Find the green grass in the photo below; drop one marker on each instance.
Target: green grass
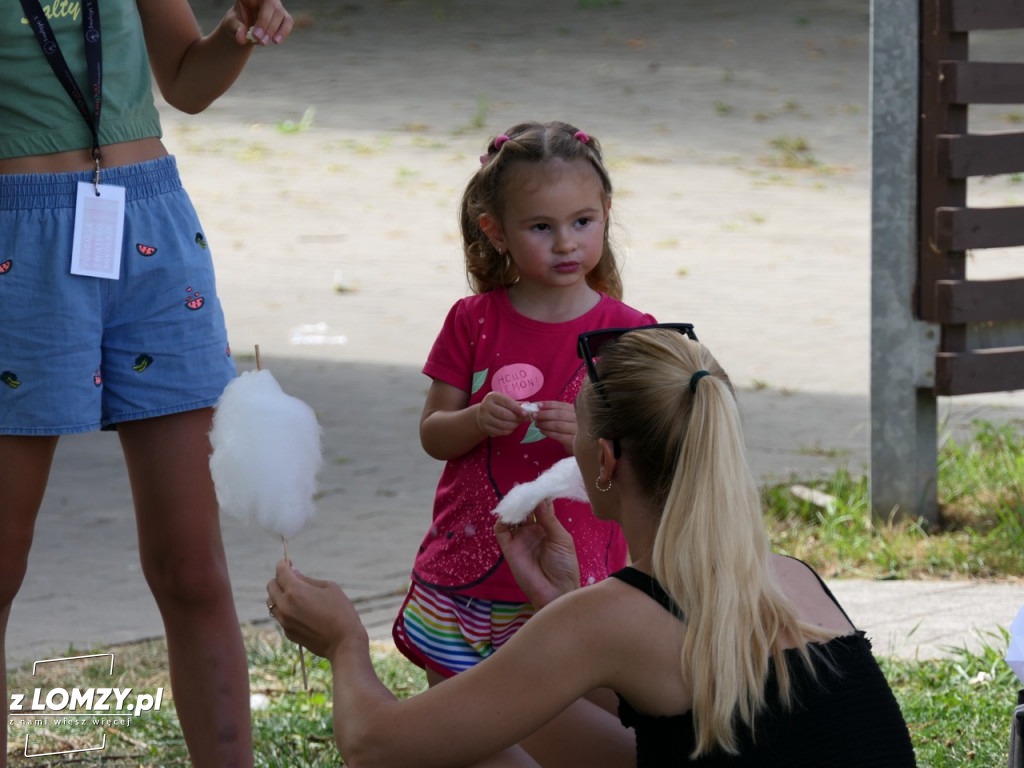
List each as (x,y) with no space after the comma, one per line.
(292,727)
(980,533)
(792,152)
(957,708)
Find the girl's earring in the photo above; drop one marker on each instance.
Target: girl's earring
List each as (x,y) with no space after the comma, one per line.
(605,488)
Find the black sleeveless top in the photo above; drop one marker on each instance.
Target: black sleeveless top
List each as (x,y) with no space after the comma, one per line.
(845,717)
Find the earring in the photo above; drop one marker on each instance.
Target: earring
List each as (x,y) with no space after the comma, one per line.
(606,488)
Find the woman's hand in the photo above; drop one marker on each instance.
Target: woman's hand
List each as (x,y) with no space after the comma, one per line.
(313,613)
(541,554)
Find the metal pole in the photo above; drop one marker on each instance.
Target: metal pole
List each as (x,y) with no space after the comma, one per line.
(904,458)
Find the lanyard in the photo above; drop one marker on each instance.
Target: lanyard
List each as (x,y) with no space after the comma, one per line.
(93,60)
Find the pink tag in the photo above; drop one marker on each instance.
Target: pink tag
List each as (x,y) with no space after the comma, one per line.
(519,380)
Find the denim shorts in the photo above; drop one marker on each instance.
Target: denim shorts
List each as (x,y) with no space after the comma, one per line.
(79,353)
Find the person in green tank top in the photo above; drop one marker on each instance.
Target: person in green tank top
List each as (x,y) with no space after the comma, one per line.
(95,336)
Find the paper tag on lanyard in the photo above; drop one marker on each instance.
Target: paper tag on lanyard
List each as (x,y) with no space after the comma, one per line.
(99,230)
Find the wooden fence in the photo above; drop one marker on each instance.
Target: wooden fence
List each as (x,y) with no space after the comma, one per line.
(934,332)
(981,348)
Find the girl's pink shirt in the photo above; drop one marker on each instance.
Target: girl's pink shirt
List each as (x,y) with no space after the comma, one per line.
(485,345)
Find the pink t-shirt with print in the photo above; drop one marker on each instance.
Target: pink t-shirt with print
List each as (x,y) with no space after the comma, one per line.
(485,345)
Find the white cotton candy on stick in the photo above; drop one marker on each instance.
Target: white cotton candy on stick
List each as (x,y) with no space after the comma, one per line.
(266,453)
(561,481)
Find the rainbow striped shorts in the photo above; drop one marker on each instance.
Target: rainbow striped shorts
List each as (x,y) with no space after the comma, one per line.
(449,633)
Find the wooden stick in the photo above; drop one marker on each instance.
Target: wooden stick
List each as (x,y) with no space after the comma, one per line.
(284,542)
(302,651)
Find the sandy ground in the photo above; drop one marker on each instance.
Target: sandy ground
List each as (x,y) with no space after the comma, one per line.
(703,108)
(737,138)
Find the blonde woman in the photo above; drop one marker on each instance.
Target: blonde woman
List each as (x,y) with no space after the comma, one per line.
(721,652)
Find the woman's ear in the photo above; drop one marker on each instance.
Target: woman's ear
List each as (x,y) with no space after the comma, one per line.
(490,227)
(606,460)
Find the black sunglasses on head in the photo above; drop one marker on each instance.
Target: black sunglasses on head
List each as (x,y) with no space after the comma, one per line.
(590,344)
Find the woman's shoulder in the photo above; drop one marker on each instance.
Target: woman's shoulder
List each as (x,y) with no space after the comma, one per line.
(807,591)
(587,624)
(638,641)
(625,614)
(616,608)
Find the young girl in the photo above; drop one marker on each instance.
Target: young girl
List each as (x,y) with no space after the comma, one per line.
(505,373)
(130,339)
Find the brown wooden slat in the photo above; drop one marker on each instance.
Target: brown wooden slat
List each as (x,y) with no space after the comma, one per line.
(980,154)
(938,116)
(982,82)
(978,301)
(960,229)
(967,15)
(986,370)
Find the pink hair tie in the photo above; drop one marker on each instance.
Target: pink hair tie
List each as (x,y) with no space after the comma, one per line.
(581,136)
(498,141)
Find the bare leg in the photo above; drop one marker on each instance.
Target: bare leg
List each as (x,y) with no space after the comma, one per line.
(584,734)
(24,469)
(184,563)
(587,733)
(513,757)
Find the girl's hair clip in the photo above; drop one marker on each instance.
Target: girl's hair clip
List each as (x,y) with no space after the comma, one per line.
(581,136)
(498,141)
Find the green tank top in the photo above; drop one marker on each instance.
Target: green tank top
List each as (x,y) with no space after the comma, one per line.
(36,114)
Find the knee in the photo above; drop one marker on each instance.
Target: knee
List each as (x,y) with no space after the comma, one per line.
(12,574)
(193,580)
(13,565)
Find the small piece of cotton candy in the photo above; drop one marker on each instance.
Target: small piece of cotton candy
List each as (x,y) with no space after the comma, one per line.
(561,481)
(530,408)
(266,453)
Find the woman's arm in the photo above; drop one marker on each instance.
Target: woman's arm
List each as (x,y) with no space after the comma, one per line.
(556,658)
(450,427)
(192,70)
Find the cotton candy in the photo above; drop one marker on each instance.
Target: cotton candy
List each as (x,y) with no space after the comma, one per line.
(266,453)
(561,481)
